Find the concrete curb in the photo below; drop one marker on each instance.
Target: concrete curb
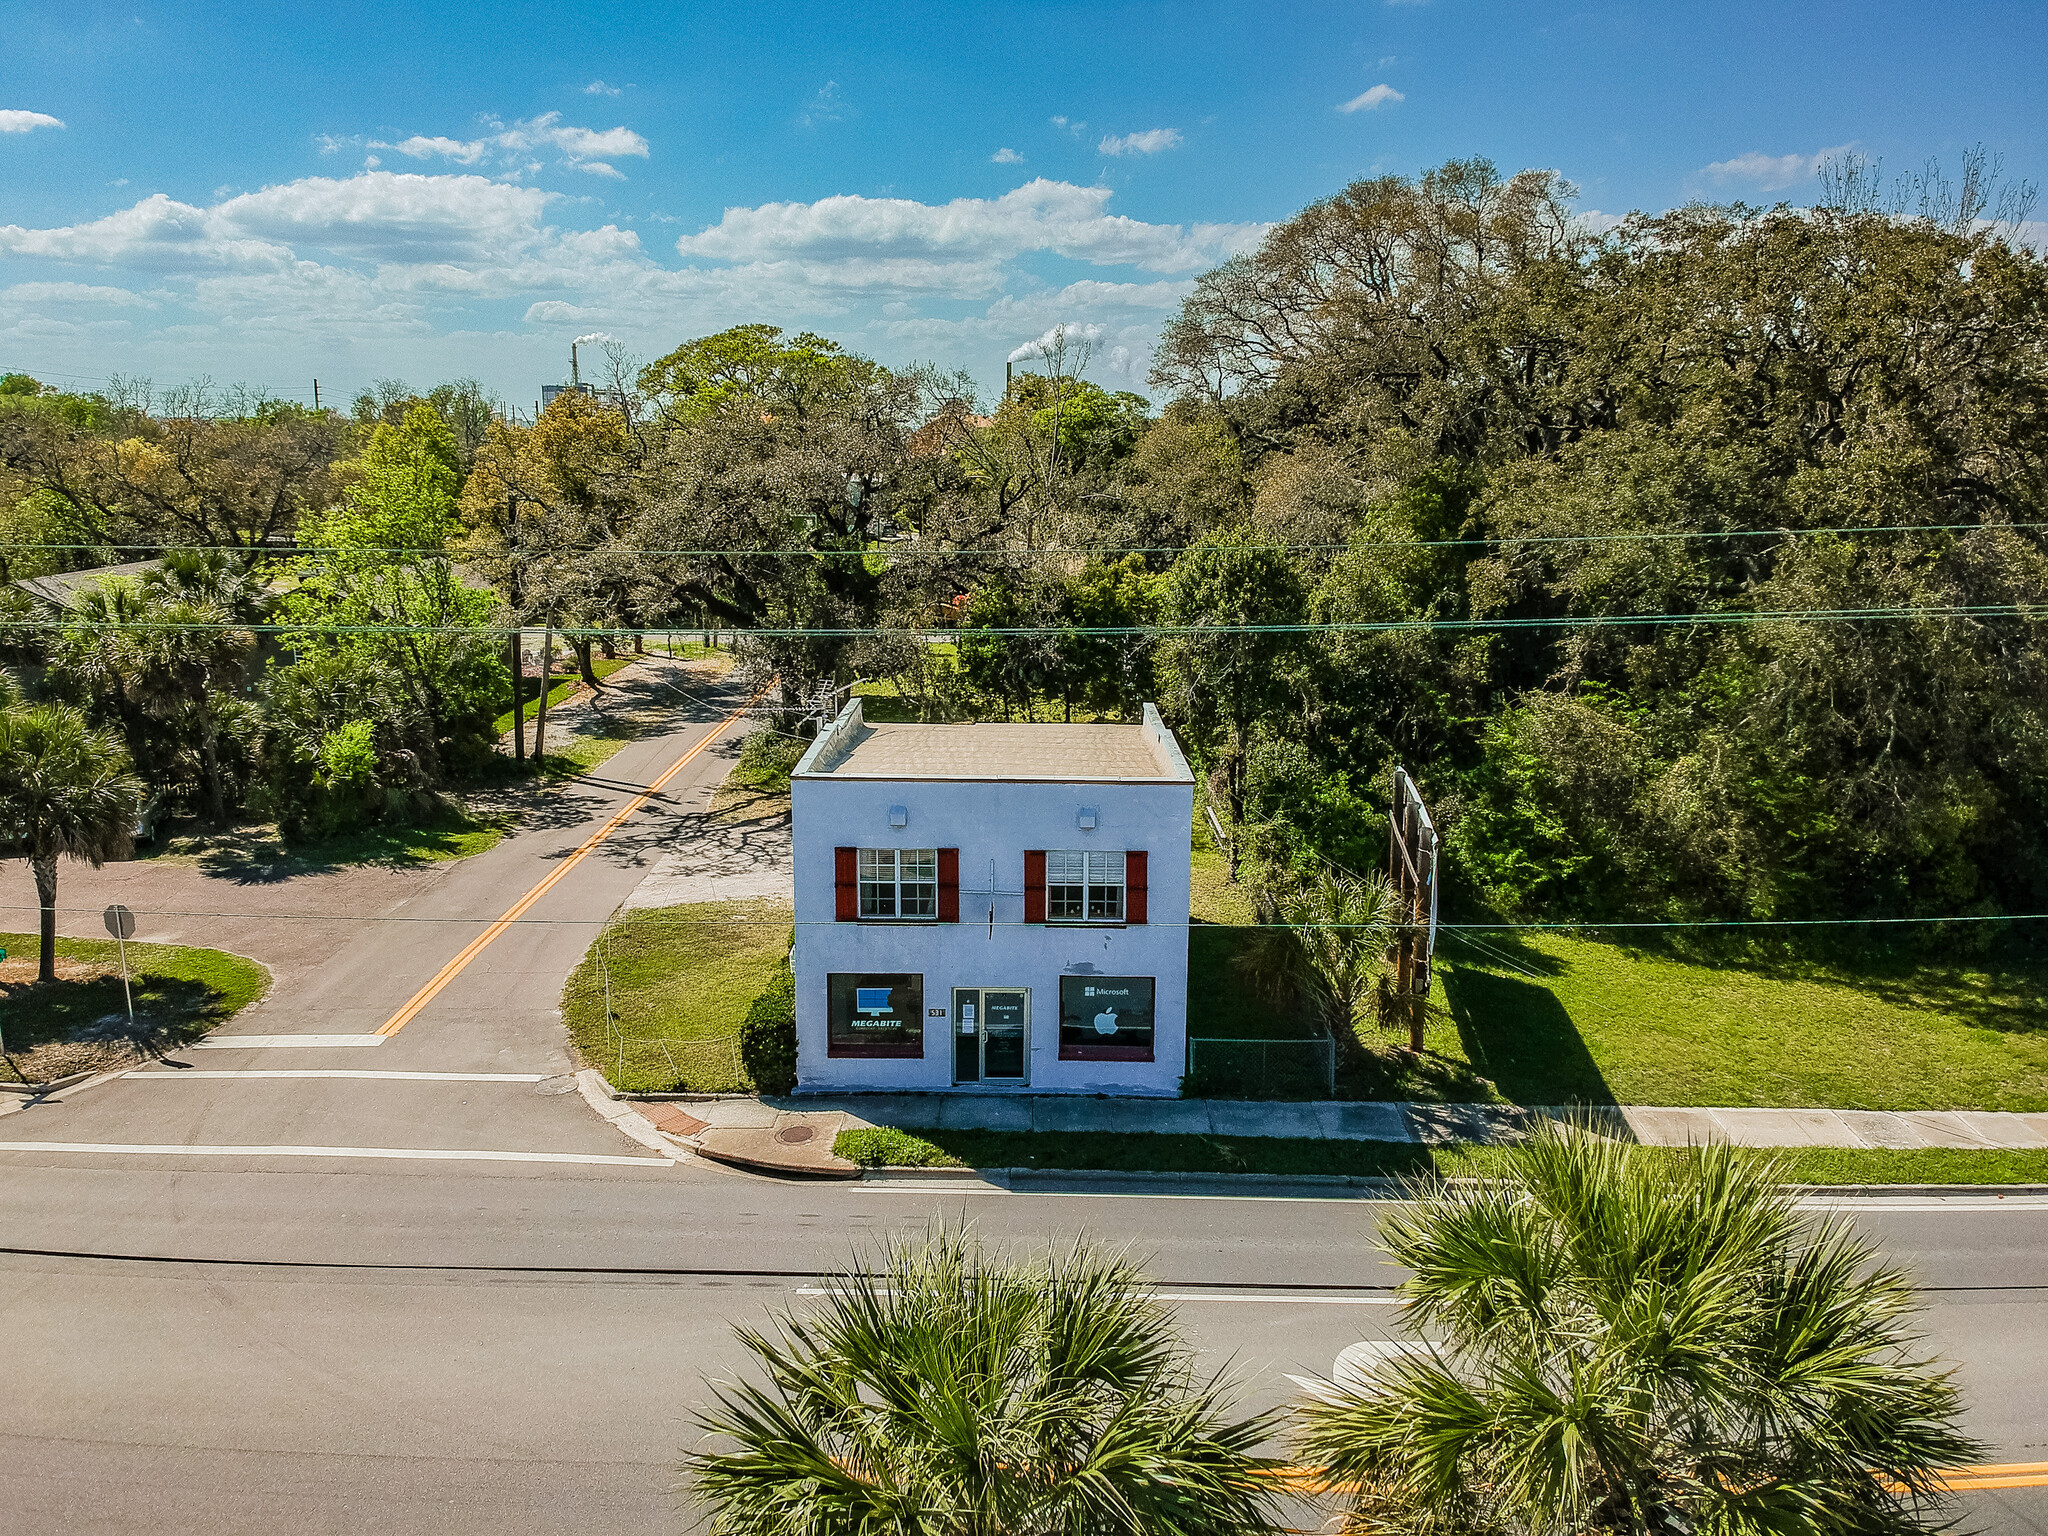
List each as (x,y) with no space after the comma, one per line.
(1872,1191)
(37,1090)
(598,1094)
(1377,1182)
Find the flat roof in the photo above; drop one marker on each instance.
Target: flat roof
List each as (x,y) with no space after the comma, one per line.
(63,589)
(1074,754)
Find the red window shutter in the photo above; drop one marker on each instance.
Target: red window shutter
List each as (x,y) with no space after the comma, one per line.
(949,885)
(1134,886)
(846,884)
(1034,886)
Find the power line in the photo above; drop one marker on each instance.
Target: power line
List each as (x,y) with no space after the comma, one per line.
(1071,551)
(1984,611)
(785,921)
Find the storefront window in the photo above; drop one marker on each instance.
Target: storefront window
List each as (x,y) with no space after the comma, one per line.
(1106,1018)
(867,1015)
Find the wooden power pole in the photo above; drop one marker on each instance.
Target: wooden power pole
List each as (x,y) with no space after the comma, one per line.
(1411,870)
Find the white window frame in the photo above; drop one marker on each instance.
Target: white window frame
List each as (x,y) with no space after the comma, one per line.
(1102,883)
(887,881)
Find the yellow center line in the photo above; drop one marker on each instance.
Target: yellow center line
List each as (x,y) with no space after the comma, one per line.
(477,945)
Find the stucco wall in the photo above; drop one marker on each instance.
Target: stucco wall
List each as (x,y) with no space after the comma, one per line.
(992,822)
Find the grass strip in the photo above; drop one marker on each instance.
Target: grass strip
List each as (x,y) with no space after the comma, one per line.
(183,992)
(239,850)
(1141,1152)
(562,690)
(682,980)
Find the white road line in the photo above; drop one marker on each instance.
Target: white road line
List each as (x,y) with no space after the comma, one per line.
(191,1073)
(281,1042)
(413,1154)
(1289,1301)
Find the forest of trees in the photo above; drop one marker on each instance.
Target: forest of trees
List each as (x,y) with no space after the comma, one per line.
(1695,568)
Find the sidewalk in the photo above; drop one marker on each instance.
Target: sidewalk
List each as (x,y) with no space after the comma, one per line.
(1430,1124)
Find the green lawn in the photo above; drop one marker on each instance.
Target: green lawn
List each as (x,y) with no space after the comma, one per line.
(682,979)
(1556,1020)
(179,993)
(602,667)
(886,1146)
(1228,1010)
(241,850)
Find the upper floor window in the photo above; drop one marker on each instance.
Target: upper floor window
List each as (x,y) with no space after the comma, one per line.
(899,882)
(1084,887)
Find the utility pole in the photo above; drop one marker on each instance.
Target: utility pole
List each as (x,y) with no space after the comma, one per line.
(316,395)
(518,658)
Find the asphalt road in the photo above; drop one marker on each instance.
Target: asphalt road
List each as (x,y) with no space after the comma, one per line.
(256,1342)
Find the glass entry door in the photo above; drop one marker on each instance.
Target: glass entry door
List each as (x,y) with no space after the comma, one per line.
(991,1034)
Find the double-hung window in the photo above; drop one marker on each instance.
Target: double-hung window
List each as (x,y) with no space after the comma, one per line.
(899,882)
(1084,887)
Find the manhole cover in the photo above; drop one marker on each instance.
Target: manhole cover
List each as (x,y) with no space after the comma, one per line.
(796,1135)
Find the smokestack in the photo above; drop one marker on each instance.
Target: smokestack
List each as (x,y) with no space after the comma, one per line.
(575,378)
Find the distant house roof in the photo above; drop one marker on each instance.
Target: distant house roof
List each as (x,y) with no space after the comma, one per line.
(1078,754)
(65,588)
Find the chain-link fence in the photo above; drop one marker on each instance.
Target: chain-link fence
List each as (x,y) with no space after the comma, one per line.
(702,1065)
(1262,1069)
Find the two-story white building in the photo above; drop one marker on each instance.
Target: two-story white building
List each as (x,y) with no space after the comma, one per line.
(992,907)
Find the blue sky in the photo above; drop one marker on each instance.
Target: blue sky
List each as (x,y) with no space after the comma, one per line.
(270,194)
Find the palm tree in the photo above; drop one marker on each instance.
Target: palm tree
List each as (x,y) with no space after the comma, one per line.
(1625,1340)
(188,658)
(961,1394)
(65,790)
(1326,941)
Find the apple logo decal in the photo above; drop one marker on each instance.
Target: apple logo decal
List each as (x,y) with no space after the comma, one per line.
(1105,1022)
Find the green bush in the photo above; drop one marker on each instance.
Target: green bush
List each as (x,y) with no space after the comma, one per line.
(883,1146)
(768,759)
(768,1037)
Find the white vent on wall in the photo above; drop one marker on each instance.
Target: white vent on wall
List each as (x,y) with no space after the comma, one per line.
(899,816)
(1087,819)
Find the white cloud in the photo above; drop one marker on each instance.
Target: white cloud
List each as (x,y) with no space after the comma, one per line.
(1372,100)
(383,215)
(828,106)
(511,148)
(1007,157)
(1041,215)
(16,120)
(1150,142)
(1769,173)
(41,294)
(1594,222)
(599,88)
(430,272)
(421,147)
